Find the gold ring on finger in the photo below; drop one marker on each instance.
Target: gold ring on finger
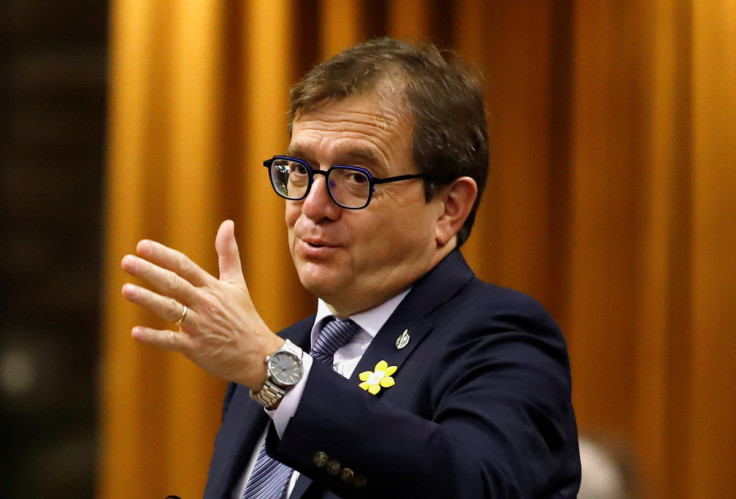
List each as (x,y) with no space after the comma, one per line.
(183,315)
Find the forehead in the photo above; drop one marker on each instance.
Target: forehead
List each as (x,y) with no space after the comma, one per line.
(367,128)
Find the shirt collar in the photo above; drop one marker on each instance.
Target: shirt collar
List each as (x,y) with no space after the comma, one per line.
(370,321)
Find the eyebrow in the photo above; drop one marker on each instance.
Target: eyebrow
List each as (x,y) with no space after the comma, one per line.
(295,151)
(362,155)
(351,154)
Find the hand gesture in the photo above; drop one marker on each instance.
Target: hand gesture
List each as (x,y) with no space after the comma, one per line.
(219,328)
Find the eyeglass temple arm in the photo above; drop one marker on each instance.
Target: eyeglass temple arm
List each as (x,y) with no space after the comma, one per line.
(396,179)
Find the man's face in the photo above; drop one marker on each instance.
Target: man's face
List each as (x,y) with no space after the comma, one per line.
(357,259)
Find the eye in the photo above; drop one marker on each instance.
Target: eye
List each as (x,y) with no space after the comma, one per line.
(297,168)
(356,177)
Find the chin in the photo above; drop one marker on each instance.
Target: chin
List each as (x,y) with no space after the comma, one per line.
(317,280)
(321,290)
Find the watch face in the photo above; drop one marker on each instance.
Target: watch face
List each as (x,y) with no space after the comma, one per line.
(285,368)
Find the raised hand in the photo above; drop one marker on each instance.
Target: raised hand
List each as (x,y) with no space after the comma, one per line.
(220,329)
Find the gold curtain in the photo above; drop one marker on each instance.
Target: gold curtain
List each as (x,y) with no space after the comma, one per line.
(611,200)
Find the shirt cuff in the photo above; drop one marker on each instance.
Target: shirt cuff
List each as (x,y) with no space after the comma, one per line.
(286,409)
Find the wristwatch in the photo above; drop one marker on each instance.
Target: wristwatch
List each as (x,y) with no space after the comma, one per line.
(284,371)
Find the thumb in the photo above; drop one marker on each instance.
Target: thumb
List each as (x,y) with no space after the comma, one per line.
(228,254)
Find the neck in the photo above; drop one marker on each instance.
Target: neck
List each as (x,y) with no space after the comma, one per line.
(342,306)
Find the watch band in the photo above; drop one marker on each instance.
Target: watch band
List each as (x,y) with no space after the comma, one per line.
(271,393)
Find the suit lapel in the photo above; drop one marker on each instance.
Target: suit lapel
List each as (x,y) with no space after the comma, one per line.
(410,317)
(236,439)
(384,345)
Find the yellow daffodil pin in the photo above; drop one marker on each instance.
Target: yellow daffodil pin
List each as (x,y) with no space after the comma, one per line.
(379,378)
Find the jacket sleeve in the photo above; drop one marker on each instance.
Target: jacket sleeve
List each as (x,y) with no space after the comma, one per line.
(228,397)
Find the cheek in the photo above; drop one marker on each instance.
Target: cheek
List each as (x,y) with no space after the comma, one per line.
(389,237)
(291,214)
(410,231)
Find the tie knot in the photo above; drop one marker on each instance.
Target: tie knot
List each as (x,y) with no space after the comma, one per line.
(334,334)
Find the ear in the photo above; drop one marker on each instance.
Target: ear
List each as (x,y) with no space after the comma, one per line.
(457,201)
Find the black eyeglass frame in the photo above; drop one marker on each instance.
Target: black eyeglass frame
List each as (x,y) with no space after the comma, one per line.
(372,181)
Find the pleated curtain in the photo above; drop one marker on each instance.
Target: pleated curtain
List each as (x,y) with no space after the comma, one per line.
(612,200)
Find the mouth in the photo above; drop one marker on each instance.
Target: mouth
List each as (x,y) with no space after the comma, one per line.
(315,242)
(318,244)
(313,247)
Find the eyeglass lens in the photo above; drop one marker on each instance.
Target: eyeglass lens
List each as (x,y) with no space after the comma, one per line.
(348,187)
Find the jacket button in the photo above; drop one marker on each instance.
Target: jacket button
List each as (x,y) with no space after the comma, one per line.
(360,482)
(347,475)
(333,467)
(320,459)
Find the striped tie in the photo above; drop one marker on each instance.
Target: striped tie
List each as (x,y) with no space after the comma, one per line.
(270,478)
(334,334)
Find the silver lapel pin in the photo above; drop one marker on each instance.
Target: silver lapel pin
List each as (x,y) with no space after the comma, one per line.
(403,339)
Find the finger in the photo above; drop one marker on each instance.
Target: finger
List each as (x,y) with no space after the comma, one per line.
(173,260)
(165,307)
(165,281)
(166,339)
(228,254)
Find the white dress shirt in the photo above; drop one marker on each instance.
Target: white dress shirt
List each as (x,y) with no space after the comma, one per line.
(344,362)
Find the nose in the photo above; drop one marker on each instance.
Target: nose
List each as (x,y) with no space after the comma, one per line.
(318,204)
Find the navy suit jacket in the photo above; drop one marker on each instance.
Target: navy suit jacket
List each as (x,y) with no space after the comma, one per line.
(481,406)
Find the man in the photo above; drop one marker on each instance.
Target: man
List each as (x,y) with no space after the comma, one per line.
(441,385)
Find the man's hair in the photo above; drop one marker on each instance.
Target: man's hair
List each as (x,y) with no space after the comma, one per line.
(442,94)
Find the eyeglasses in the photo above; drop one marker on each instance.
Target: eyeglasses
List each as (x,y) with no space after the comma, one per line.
(349,186)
